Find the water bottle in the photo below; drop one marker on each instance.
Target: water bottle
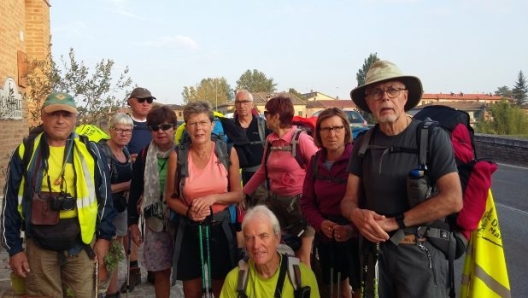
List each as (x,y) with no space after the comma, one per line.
(419,187)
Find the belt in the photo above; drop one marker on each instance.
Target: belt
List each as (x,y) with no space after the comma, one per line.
(411,239)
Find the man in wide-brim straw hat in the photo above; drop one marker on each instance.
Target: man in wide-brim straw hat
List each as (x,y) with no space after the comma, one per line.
(408,265)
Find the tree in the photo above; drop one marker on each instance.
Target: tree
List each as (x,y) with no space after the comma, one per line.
(504,92)
(520,89)
(295,92)
(361,76)
(214,90)
(506,119)
(362,72)
(96,92)
(256,81)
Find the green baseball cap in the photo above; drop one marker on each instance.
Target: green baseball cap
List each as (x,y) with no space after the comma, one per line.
(59,101)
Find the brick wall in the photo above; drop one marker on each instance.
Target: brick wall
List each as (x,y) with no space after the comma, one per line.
(25,27)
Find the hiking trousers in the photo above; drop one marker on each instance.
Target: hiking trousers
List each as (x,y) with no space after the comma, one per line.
(49,279)
(408,270)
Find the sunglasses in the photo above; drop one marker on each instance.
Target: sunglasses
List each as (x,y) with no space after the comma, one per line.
(163,127)
(142,100)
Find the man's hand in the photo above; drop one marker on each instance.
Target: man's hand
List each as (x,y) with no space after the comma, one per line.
(101,248)
(368,224)
(19,264)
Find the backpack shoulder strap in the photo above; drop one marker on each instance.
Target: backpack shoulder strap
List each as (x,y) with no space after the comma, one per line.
(315,160)
(296,149)
(294,272)
(223,152)
(261,130)
(243,274)
(365,142)
(182,171)
(28,151)
(422,140)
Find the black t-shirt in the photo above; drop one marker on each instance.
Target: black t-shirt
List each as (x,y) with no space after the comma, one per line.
(384,175)
(257,145)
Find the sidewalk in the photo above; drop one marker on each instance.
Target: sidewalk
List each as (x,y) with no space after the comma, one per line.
(145,290)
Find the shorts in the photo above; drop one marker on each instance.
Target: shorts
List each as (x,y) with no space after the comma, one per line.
(189,262)
(120,223)
(288,212)
(343,257)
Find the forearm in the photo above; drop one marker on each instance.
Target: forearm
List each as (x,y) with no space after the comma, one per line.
(228,198)
(119,187)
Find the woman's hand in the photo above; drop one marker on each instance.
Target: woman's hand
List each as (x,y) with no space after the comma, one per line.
(198,216)
(327,228)
(203,205)
(343,233)
(135,234)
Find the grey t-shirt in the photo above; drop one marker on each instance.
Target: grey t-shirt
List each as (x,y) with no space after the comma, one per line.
(384,174)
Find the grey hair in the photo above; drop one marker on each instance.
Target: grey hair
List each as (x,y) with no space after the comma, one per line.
(121,118)
(198,107)
(260,211)
(244,91)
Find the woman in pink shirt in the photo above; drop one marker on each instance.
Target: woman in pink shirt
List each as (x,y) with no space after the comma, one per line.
(284,173)
(210,186)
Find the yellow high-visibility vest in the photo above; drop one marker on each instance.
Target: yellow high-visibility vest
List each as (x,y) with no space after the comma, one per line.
(485,273)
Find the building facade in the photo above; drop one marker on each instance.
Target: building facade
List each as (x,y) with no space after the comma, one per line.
(25,36)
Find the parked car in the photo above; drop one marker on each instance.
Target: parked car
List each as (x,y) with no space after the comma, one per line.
(358,124)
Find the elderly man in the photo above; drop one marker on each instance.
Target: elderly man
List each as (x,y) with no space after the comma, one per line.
(376,200)
(57,191)
(266,269)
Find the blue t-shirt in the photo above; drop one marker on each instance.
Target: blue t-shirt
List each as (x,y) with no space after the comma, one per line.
(141,137)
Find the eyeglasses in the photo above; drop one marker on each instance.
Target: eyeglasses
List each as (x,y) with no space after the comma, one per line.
(337,129)
(199,123)
(142,100)
(242,102)
(163,127)
(377,93)
(123,131)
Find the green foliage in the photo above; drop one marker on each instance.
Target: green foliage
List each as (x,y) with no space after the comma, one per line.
(256,81)
(214,90)
(520,89)
(114,256)
(504,91)
(506,119)
(96,92)
(296,93)
(362,72)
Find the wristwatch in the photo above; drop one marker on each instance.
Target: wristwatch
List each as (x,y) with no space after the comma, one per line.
(400,220)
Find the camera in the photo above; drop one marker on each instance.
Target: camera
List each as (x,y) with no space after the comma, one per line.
(63,202)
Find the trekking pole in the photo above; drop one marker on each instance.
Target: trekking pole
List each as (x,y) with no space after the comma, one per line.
(202,262)
(332,264)
(209,284)
(96,274)
(376,272)
(128,264)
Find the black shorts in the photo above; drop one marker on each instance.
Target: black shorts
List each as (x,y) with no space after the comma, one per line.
(189,262)
(343,257)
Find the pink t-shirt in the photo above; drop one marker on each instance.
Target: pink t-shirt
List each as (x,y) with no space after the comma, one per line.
(212,179)
(285,175)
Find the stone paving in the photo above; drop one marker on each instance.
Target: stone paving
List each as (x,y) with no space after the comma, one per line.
(145,290)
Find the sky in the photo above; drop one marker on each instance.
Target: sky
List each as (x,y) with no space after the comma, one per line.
(469,46)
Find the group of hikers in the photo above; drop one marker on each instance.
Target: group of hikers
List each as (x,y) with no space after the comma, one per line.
(298,203)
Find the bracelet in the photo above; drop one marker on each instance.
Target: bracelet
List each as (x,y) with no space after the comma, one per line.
(400,220)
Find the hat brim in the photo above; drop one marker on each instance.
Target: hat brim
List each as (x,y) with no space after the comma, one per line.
(58,107)
(412,84)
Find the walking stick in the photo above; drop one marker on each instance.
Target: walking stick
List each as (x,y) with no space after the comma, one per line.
(332,264)
(376,272)
(128,264)
(209,284)
(202,262)
(96,274)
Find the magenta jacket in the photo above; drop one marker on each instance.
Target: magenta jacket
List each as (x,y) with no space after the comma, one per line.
(322,197)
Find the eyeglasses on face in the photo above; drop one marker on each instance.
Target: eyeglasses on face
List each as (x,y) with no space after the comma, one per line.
(328,129)
(163,127)
(142,100)
(377,93)
(198,124)
(122,131)
(242,102)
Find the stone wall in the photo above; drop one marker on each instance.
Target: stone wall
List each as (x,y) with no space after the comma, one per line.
(502,149)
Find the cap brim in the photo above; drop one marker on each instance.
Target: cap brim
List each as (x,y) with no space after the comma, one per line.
(412,84)
(57,107)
